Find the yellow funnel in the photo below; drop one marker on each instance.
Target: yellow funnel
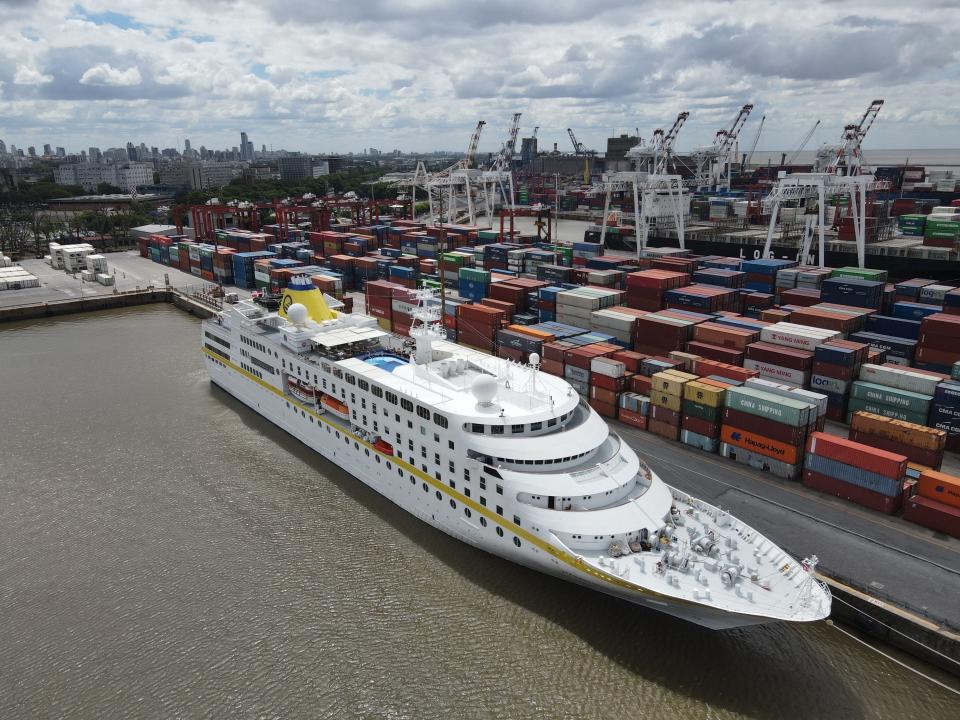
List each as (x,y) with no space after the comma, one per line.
(301,290)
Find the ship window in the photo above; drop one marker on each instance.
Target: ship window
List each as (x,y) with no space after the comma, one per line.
(516,429)
(499,489)
(499,531)
(483,501)
(436,438)
(425,488)
(413,480)
(423,452)
(499,510)
(409,424)
(284,364)
(338,373)
(516,541)
(439,496)
(351,380)
(466,491)
(551,422)
(538,462)
(483,480)
(311,418)
(324,383)
(423,412)
(453,503)
(536,426)
(436,458)
(453,484)
(483,521)
(516,519)
(377,391)
(363,403)
(466,511)
(378,458)
(391,398)
(406,405)
(346,440)
(453,468)
(496,429)
(364,419)
(363,385)
(328,428)
(367,451)
(353,398)
(375,426)
(476,427)
(440,420)
(390,467)
(450,444)
(410,445)
(325,366)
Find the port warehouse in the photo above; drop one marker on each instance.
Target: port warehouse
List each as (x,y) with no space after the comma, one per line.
(745,358)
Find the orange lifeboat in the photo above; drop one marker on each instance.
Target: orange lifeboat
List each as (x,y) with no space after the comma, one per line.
(383,446)
(335,406)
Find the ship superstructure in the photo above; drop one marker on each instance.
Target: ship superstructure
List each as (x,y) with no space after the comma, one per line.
(501,456)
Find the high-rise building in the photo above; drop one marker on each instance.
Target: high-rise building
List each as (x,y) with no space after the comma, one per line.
(32,151)
(186,147)
(131,151)
(245,147)
(47,150)
(295,167)
(61,152)
(95,154)
(263,148)
(3,148)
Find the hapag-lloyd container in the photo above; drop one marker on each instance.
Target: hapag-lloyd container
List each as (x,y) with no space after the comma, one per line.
(801,337)
(899,377)
(780,409)
(759,462)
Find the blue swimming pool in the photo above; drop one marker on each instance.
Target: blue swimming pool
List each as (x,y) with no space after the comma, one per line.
(389,363)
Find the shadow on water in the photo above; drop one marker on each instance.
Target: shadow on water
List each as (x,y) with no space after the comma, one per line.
(772,671)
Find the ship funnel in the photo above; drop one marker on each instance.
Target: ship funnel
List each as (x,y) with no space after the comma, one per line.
(302,291)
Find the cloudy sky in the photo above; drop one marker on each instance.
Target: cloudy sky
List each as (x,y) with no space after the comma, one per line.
(417,74)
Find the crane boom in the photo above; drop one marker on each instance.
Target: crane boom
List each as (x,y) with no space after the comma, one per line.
(803,143)
(748,156)
(505,158)
(578,148)
(725,138)
(853,136)
(666,142)
(474,142)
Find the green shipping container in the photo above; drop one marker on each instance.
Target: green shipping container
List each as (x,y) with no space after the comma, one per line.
(701,411)
(863,273)
(894,397)
(885,410)
(773,407)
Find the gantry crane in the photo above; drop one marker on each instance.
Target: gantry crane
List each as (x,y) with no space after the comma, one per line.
(748,156)
(784,160)
(654,157)
(713,161)
(846,158)
(578,148)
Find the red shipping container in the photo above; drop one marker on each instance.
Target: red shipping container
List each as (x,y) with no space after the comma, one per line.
(858,455)
(838,372)
(716,352)
(556,351)
(615,384)
(780,432)
(607,410)
(779,355)
(631,418)
(641,385)
(712,367)
(854,493)
(921,456)
(933,515)
(630,359)
(552,367)
(700,426)
(665,415)
(729,337)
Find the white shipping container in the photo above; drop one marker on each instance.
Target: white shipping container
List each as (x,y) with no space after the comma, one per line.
(105,279)
(819,400)
(797,336)
(829,384)
(608,367)
(900,379)
(935,292)
(777,372)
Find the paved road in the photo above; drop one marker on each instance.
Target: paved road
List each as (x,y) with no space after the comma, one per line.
(910,565)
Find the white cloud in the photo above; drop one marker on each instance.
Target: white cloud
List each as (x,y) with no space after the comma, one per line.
(106,74)
(26,75)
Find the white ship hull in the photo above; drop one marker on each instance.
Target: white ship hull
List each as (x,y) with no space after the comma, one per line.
(442,507)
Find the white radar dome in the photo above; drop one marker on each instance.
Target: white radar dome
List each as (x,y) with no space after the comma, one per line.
(534,359)
(484,389)
(297,314)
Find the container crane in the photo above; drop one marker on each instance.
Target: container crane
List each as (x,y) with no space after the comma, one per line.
(748,156)
(846,158)
(784,160)
(504,160)
(578,148)
(713,161)
(654,157)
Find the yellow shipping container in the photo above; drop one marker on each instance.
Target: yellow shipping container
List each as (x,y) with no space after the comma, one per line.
(671,381)
(708,395)
(670,402)
(900,431)
(684,357)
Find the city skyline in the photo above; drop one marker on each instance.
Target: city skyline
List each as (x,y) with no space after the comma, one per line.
(88,74)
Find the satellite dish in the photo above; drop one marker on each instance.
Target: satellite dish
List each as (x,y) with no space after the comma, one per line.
(484,389)
(297,314)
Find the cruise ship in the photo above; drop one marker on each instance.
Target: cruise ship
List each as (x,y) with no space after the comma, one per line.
(501,456)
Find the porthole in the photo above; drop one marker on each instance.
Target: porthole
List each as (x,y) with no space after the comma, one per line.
(390,467)
(338,435)
(366,452)
(466,511)
(516,541)
(425,487)
(453,503)
(378,457)
(499,531)
(439,496)
(356,446)
(483,521)
(346,440)
(413,480)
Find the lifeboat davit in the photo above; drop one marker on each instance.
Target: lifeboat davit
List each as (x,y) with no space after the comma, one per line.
(301,392)
(335,406)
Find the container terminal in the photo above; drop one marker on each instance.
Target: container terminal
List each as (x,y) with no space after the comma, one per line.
(840,385)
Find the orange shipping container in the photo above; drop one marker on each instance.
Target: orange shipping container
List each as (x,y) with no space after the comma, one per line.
(940,487)
(757,443)
(901,431)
